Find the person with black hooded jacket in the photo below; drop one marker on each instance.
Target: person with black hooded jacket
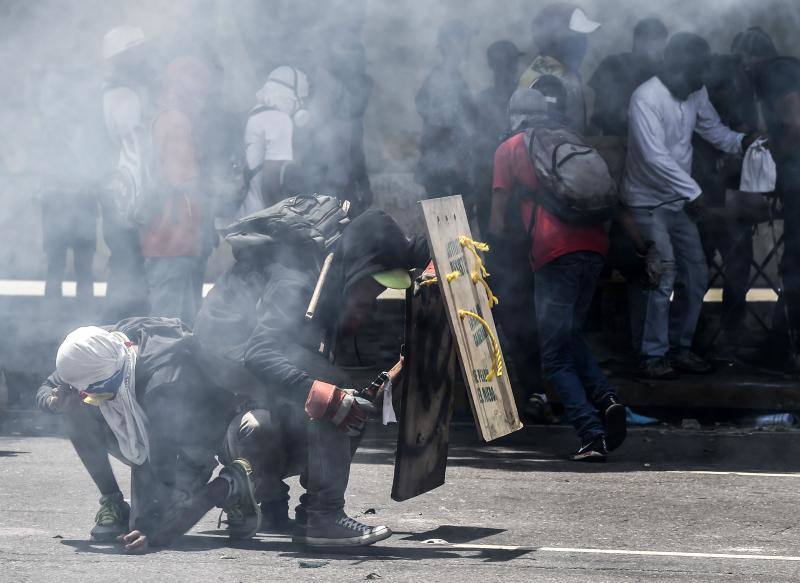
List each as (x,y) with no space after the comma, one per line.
(304,422)
(148,378)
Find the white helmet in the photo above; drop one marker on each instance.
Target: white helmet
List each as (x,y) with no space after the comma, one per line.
(120,39)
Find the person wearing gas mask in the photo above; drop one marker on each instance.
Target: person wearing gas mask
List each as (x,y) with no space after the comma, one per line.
(269,138)
(306,421)
(666,202)
(143,391)
(560,32)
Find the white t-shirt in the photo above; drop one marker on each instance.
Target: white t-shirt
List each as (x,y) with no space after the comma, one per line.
(267,138)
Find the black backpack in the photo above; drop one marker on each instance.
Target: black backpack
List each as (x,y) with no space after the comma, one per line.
(575,184)
(313,222)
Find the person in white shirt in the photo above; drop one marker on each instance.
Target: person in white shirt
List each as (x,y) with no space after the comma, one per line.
(664,113)
(268,137)
(128,55)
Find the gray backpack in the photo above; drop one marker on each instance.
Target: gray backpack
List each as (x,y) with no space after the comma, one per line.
(575,184)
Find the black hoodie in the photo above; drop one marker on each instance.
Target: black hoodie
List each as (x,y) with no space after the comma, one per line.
(256,314)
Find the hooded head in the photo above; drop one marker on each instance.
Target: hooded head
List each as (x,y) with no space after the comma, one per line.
(92,360)
(686,61)
(560,31)
(649,39)
(524,106)
(372,255)
(286,90)
(503,58)
(753,47)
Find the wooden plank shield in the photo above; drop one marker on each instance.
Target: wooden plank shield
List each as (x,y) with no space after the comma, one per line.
(491,397)
(430,379)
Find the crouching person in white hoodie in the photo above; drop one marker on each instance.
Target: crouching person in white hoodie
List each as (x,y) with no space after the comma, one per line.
(141,391)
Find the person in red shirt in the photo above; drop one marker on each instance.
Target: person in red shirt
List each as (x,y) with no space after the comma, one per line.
(567,261)
(172,239)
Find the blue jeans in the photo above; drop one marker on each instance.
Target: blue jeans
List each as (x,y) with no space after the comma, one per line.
(659,326)
(564,291)
(176,286)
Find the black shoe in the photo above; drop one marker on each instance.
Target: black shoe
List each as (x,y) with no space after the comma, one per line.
(657,369)
(594,451)
(688,362)
(275,517)
(539,411)
(615,421)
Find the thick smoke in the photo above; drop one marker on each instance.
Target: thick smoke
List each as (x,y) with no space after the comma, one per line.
(49,52)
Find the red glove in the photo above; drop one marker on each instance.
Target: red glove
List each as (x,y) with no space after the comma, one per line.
(344,409)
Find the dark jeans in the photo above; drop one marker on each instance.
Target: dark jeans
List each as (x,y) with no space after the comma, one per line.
(280,441)
(175,286)
(564,291)
(734,241)
(159,493)
(512,283)
(126,294)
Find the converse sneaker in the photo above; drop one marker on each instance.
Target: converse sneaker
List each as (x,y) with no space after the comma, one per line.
(340,531)
(241,508)
(112,518)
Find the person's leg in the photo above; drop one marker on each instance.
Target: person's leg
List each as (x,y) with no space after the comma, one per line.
(56,255)
(126,292)
(737,253)
(82,256)
(655,226)
(259,437)
(93,441)
(692,272)
(171,284)
(557,292)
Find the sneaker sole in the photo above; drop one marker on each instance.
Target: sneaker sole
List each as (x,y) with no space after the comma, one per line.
(616,423)
(107,536)
(251,495)
(381,533)
(594,458)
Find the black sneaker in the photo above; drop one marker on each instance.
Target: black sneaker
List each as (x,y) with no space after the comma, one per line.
(615,421)
(594,451)
(539,411)
(690,363)
(657,369)
(340,531)
(241,508)
(275,517)
(112,518)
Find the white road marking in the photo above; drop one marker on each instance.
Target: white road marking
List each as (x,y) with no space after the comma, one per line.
(746,474)
(668,554)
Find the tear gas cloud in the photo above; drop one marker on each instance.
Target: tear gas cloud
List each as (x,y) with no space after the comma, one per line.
(50,56)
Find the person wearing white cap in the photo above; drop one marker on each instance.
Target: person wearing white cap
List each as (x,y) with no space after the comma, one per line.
(561,32)
(141,391)
(126,52)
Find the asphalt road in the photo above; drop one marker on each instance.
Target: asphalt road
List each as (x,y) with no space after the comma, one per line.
(672,505)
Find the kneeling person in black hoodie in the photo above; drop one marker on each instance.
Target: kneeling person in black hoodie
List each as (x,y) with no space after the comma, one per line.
(306,423)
